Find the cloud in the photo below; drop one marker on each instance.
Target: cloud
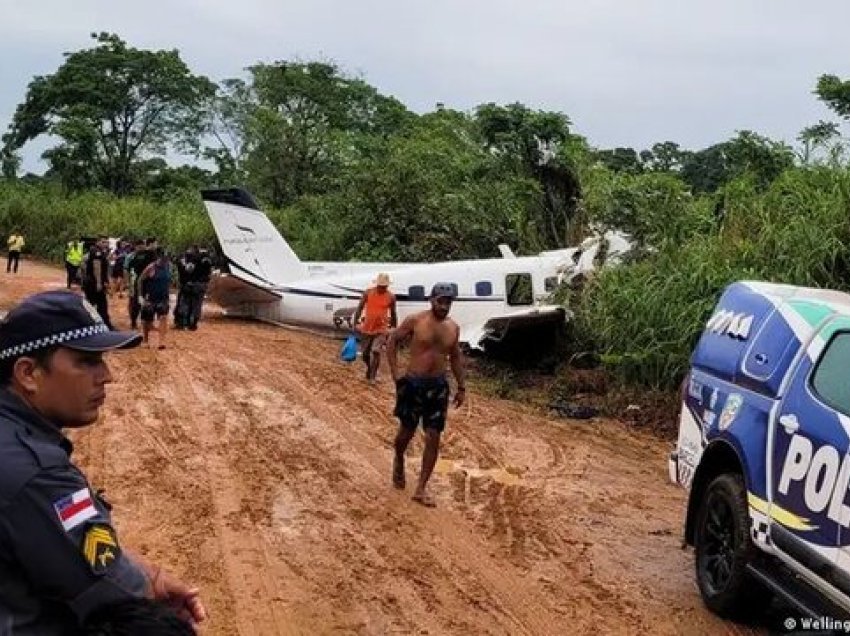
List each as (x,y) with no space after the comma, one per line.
(627,73)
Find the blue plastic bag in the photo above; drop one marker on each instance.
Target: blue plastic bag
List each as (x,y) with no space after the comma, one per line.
(349,349)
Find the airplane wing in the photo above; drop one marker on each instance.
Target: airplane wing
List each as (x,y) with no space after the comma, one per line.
(495,329)
(231,292)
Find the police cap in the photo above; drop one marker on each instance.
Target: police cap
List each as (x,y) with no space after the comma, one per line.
(58,318)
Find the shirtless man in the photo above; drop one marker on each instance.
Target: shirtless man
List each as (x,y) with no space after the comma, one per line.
(423,392)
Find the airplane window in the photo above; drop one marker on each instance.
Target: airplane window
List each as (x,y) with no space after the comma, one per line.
(416,292)
(484,288)
(550,283)
(519,289)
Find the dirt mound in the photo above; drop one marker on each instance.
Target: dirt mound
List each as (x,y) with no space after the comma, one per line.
(248,459)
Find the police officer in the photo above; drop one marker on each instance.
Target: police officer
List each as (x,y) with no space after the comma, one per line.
(96,280)
(73,261)
(200,282)
(60,557)
(185,276)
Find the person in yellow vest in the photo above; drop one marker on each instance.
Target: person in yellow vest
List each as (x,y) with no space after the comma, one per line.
(379,317)
(15,245)
(73,260)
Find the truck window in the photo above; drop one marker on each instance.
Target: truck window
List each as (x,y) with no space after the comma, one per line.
(416,292)
(830,377)
(520,291)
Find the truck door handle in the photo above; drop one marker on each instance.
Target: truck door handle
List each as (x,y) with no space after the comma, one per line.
(790,423)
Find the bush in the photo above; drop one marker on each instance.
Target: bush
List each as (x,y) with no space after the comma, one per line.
(645,318)
(48,219)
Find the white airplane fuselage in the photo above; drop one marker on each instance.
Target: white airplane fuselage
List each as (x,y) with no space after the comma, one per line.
(267,281)
(329,301)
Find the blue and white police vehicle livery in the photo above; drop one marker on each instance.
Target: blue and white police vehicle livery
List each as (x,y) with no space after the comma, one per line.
(764,449)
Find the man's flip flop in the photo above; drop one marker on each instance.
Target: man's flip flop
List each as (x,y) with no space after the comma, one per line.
(425,500)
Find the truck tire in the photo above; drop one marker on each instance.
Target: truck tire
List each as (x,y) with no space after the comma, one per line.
(723,548)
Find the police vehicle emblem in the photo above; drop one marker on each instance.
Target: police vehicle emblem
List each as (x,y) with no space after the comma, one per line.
(730,411)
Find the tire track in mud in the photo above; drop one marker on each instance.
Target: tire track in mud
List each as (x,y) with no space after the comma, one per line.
(369,452)
(367,432)
(246,563)
(509,521)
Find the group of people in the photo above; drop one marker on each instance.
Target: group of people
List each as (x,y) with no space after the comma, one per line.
(423,392)
(144,269)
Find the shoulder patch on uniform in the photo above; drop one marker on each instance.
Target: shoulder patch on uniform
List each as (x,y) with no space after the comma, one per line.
(75,509)
(100,547)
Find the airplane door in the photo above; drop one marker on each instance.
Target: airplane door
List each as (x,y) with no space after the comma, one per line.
(809,514)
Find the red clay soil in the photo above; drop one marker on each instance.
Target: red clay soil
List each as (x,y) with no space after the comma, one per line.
(252,462)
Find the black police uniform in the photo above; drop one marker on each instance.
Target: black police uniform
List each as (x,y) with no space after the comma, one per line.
(97,259)
(199,281)
(185,272)
(60,558)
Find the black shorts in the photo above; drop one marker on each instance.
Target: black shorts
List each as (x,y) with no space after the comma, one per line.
(154,309)
(425,399)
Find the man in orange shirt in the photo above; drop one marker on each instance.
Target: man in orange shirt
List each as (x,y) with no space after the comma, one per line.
(379,317)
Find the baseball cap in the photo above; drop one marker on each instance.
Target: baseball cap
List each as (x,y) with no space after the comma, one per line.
(58,318)
(443,290)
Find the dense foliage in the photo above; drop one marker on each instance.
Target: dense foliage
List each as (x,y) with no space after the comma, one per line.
(348,172)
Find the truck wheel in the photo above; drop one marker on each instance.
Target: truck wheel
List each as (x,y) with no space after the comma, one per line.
(723,549)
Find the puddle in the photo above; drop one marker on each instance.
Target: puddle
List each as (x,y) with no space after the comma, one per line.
(499,475)
(287,515)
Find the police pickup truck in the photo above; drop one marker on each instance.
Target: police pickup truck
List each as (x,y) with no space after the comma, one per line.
(764,449)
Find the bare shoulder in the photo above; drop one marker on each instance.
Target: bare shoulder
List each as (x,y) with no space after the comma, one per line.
(414,319)
(407,326)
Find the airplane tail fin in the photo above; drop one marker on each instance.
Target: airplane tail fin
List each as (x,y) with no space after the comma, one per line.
(254,249)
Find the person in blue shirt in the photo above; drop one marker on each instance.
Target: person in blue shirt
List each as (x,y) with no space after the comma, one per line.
(155,285)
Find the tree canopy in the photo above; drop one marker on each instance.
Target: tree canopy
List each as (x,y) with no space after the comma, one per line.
(111,106)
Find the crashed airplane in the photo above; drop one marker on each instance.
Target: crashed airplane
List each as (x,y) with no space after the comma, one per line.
(265,279)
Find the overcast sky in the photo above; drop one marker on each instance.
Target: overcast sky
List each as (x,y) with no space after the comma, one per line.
(627,72)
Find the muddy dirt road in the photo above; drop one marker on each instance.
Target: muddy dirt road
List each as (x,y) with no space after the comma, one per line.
(253,463)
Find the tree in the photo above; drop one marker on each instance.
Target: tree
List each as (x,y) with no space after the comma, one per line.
(835,93)
(708,169)
(815,137)
(666,156)
(112,106)
(436,194)
(310,121)
(227,121)
(624,160)
(529,143)
(9,164)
